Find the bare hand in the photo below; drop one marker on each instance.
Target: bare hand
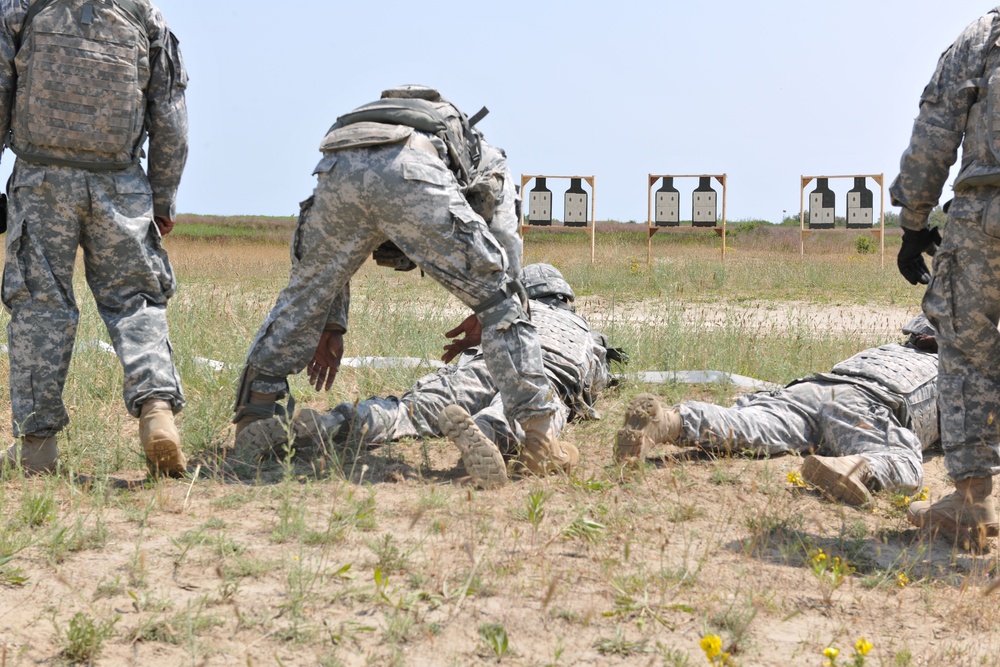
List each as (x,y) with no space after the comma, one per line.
(326,362)
(472,330)
(164,224)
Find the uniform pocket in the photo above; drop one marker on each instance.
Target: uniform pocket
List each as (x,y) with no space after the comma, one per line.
(938,300)
(428,173)
(991,218)
(304,208)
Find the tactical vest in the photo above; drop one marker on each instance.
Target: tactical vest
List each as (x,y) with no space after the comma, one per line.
(82,69)
(981,146)
(574,362)
(392,119)
(904,373)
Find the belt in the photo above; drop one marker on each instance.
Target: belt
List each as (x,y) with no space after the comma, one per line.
(422,142)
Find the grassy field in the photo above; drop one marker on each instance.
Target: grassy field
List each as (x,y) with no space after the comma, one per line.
(386,560)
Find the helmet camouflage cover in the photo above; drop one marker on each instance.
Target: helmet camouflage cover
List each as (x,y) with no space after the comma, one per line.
(544,280)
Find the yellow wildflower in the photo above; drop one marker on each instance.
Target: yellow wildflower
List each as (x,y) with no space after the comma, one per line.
(795,479)
(831,652)
(711,645)
(863,646)
(902,579)
(819,557)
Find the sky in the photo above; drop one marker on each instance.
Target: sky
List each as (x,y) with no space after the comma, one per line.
(763,91)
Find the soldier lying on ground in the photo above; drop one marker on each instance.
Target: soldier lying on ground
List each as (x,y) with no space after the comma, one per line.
(862,426)
(461,401)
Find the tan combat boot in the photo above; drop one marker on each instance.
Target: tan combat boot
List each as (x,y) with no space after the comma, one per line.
(37,454)
(481,457)
(843,478)
(160,441)
(646,424)
(542,453)
(968,515)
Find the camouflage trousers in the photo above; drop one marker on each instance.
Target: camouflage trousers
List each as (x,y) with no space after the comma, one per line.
(963,303)
(415,414)
(52,211)
(825,418)
(364,197)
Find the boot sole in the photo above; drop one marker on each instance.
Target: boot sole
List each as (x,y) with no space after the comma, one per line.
(849,490)
(260,440)
(482,459)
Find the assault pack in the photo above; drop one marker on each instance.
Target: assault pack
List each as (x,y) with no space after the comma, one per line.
(82,67)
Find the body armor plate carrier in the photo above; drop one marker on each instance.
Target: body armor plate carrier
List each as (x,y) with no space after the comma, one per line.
(895,372)
(81,74)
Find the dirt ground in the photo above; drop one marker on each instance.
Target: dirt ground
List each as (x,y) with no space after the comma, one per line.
(396,563)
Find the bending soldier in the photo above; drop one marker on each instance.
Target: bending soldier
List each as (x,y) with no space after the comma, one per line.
(81,87)
(410,169)
(862,426)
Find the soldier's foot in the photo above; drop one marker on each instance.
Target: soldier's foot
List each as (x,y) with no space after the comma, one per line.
(843,478)
(647,424)
(542,453)
(480,456)
(37,455)
(161,443)
(967,516)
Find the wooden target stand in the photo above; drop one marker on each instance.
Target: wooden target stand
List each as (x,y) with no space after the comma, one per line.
(652,228)
(591,224)
(878,233)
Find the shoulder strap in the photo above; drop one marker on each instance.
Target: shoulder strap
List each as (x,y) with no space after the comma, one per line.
(39,6)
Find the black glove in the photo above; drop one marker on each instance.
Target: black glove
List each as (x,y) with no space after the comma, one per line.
(910,259)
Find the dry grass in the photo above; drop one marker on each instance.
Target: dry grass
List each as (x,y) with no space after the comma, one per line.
(390,562)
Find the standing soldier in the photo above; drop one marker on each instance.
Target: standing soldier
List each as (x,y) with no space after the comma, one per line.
(82,85)
(960,104)
(409,169)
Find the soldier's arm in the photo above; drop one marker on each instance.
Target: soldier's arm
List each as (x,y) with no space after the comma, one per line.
(166,116)
(11,18)
(940,126)
(336,320)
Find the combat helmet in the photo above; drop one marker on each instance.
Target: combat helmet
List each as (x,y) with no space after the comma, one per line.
(544,282)
(919,326)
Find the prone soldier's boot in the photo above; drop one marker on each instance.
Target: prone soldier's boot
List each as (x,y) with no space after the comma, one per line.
(968,514)
(161,443)
(647,424)
(541,452)
(844,478)
(37,455)
(259,406)
(265,438)
(481,457)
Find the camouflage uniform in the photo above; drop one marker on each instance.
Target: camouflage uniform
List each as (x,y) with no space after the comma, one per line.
(468,384)
(405,192)
(55,208)
(840,413)
(963,299)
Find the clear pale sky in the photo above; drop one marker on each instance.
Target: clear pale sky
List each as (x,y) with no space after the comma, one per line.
(764,91)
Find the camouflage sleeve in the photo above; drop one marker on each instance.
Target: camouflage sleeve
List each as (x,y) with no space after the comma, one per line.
(940,126)
(505,223)
(337,318)
(166,116)
(11,18)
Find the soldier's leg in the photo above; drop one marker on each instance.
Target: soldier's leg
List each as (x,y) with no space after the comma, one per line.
(334,235)
(437,229)
(130,275)
(765,423)
(854,423)
(963,303)
(42,238)
(507,435)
